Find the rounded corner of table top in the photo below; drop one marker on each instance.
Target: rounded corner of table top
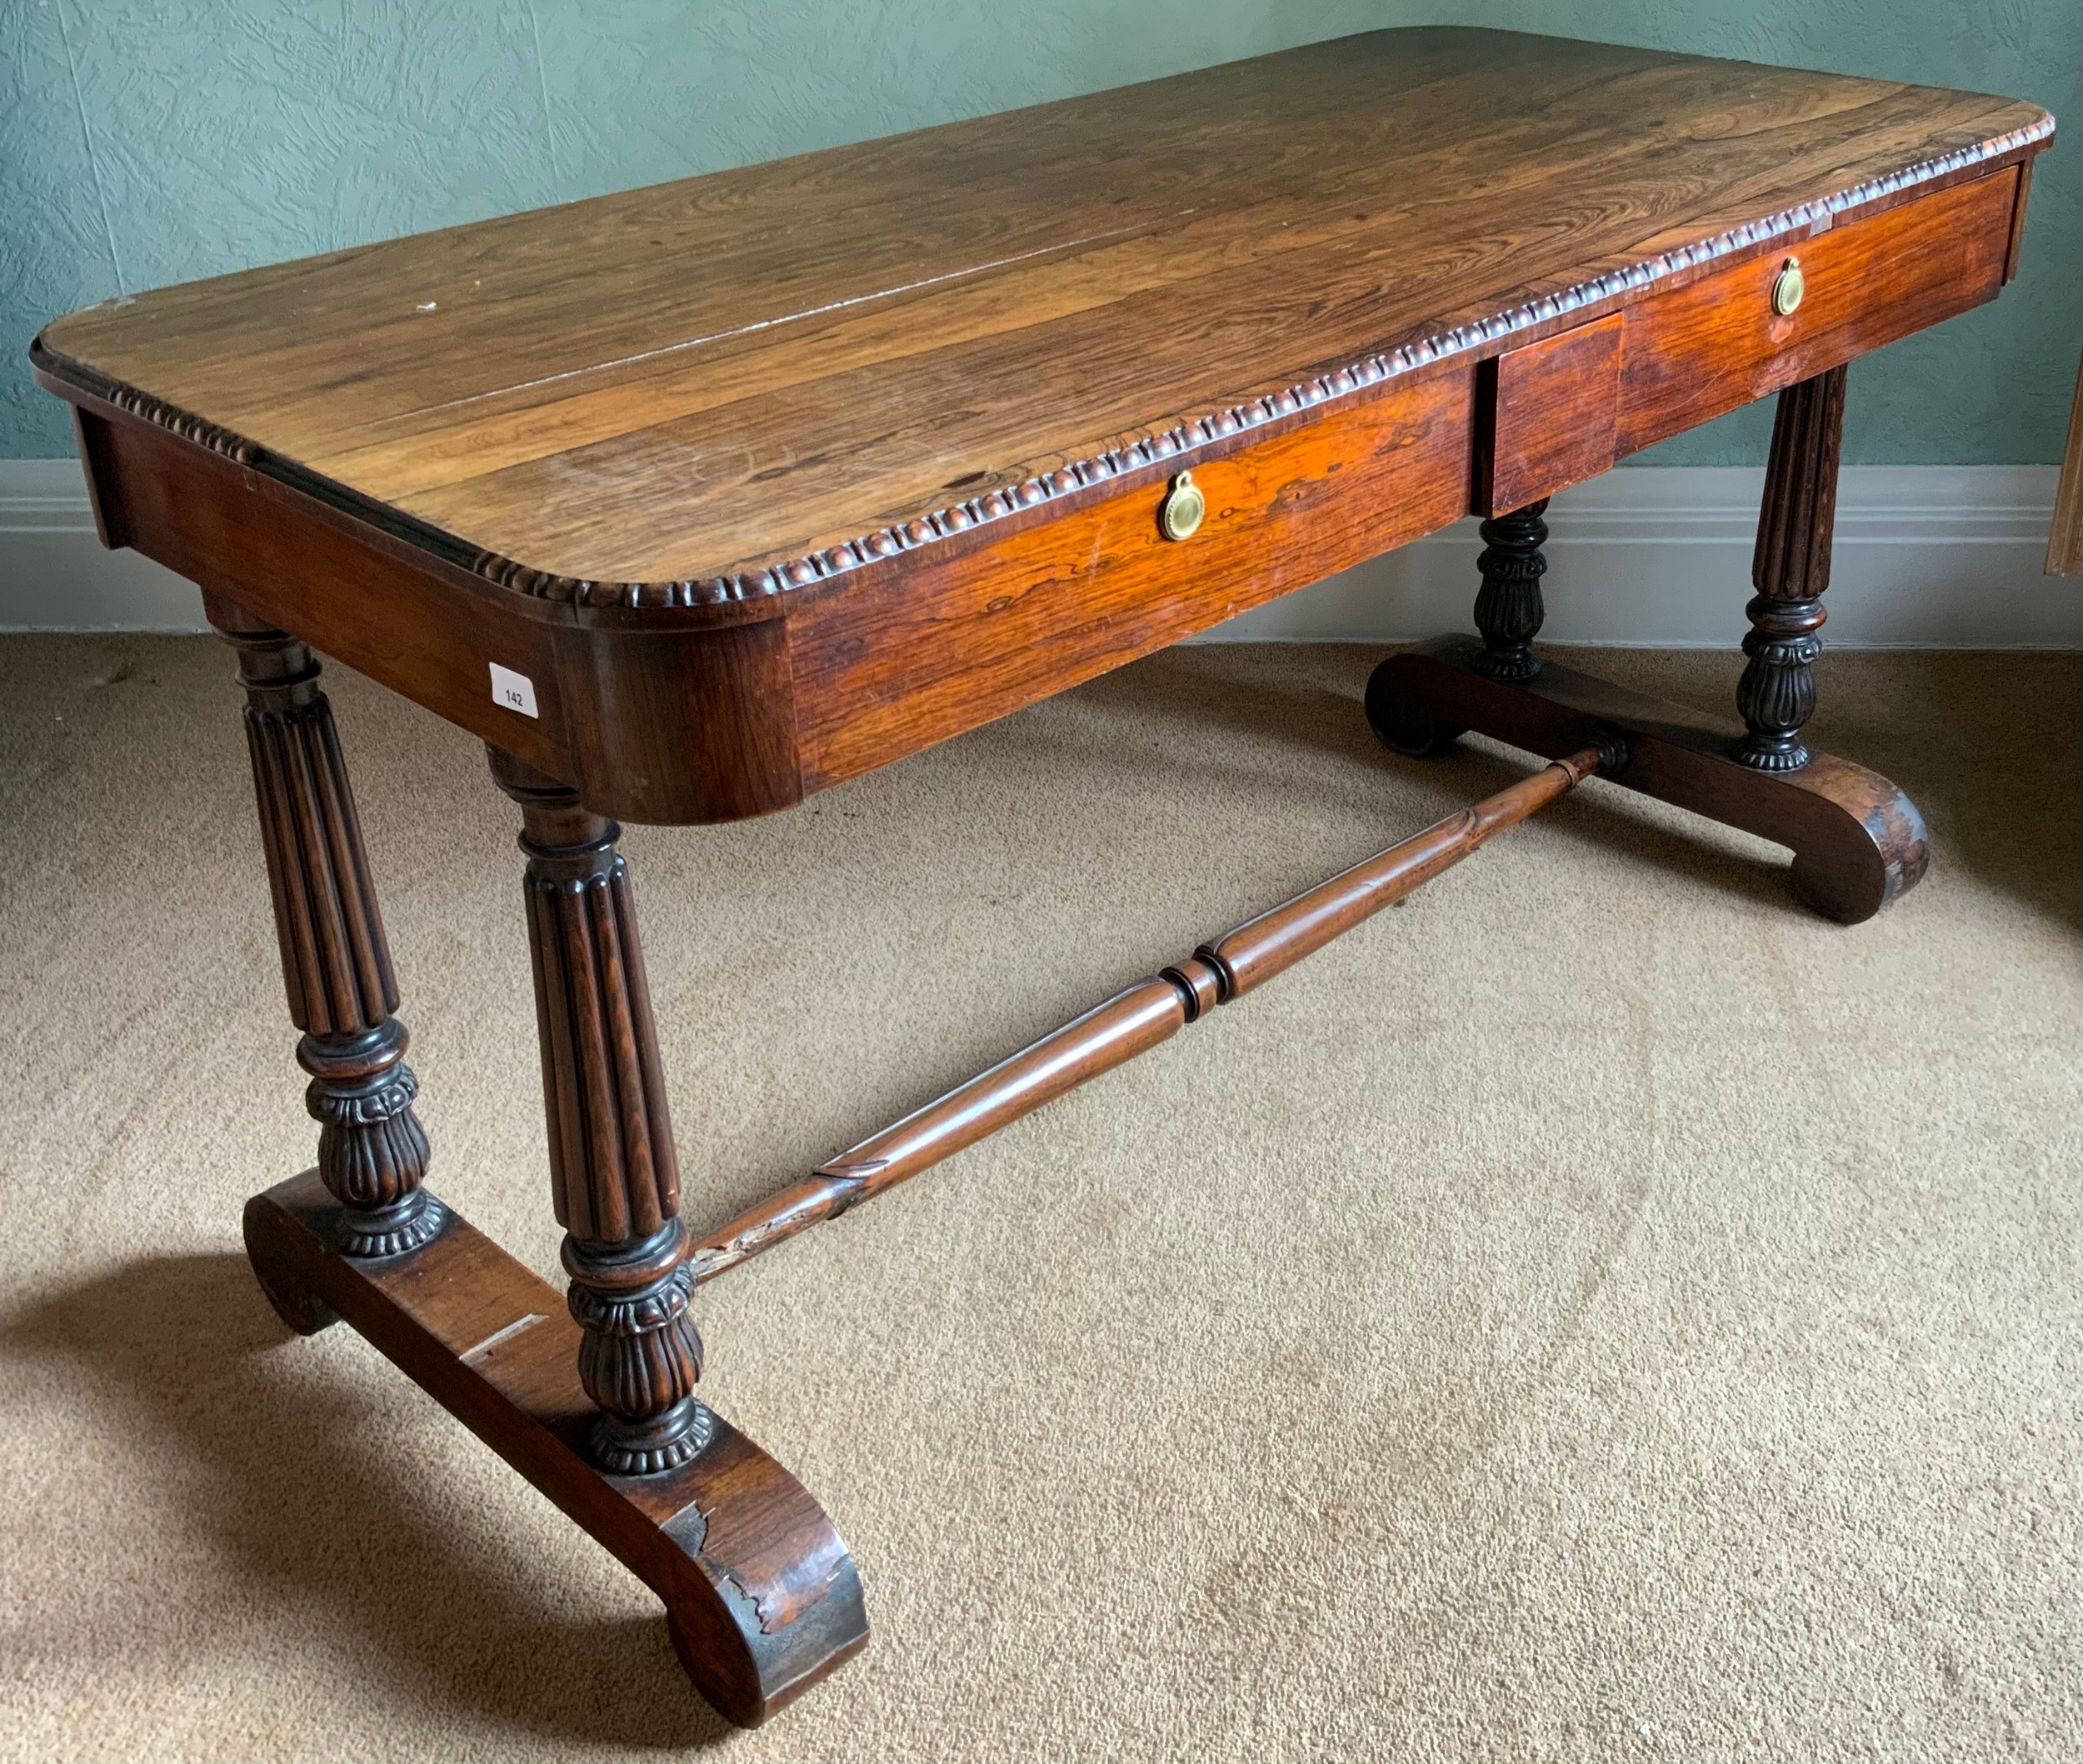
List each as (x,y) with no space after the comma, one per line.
(54,369)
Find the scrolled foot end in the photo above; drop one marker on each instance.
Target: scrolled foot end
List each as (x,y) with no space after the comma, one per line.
(1401,721)
(1869,860)
(267,1254)
(750,1665)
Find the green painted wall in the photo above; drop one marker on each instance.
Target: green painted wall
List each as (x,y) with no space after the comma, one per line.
(144,142)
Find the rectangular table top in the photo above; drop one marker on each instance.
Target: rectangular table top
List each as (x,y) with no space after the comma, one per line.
(706,382)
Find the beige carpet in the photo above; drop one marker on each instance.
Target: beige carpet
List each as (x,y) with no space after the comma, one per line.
(1595,1311)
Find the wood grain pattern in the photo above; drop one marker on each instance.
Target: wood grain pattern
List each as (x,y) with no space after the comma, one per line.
(763,479)
(2011,255)
(971,359)
(762,1598)
(684,725)
(1858,841)
(745,383)
(419,624)
(1696,352)
(1546,415)
(909,655)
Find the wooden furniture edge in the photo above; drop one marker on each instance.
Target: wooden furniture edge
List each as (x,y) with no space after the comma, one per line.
(2018,208)
(189,506)
(1126,463)
(763,1597)
(2065,533)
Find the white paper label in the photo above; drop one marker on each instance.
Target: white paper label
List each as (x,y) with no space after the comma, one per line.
(516,691)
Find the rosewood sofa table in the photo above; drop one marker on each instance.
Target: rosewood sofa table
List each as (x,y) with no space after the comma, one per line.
(694,501)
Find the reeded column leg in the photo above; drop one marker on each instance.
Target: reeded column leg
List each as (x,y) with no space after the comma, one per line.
(615,1179)
(1508,609)
(372,1152)
(1790,570)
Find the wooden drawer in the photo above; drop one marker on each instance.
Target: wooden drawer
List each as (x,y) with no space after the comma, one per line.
(900,657)
(1700,350)
(1553,413)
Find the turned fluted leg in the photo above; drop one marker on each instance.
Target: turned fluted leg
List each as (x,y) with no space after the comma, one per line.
(1790,570)
(614,1178)
(372,1152)
(1508,609)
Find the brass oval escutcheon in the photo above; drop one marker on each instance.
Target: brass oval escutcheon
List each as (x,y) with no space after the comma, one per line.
(1788,286)
(1183,508)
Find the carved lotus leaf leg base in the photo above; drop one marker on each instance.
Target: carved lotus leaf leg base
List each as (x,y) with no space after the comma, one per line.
(762,1598)
(640,1352)
(372,1152)
(1858,841)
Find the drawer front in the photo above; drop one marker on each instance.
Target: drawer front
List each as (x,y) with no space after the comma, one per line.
(885,667)
(1700,350)
(1545,416)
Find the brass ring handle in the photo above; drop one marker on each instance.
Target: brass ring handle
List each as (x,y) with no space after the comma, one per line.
(1788,286)
(1179,515)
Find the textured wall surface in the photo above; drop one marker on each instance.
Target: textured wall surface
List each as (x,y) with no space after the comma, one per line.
(156,140)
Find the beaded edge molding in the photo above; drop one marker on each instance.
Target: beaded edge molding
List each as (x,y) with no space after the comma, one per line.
(756,582)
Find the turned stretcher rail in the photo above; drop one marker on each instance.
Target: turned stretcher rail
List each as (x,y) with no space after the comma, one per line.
(1135,1019)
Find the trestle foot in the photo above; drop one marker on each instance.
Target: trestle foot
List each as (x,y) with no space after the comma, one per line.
(762,1598)
(1858,841)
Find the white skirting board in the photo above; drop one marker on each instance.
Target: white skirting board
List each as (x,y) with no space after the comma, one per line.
(1654,556)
